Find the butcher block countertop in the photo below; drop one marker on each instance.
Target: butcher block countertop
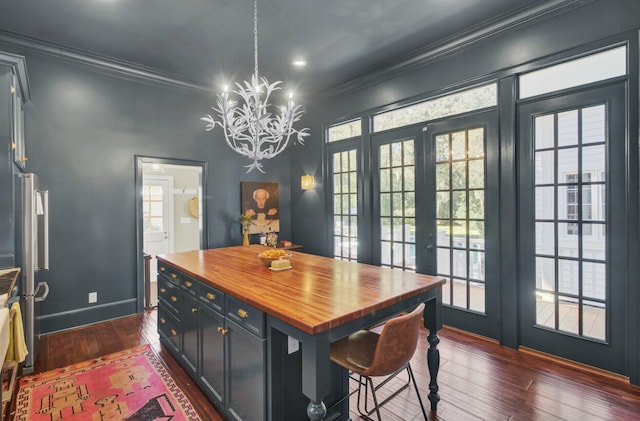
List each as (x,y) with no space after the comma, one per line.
(316,294)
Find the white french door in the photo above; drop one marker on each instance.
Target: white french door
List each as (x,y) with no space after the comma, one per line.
(157,216)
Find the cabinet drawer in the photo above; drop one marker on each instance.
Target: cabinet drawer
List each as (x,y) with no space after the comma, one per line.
(212,298)
(169,273)
(169,327)
(190,285)
(246,316)
(170,294)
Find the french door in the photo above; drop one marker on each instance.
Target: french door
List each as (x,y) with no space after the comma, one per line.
(572,213)
(435,211)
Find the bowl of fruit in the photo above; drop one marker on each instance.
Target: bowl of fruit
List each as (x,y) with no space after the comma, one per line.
(268,256)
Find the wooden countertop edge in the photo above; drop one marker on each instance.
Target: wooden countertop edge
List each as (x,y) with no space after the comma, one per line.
(314,328)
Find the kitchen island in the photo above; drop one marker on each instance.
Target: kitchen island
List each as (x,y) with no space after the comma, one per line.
(237,325)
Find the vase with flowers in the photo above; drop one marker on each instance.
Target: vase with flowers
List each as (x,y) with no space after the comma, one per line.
(245,222)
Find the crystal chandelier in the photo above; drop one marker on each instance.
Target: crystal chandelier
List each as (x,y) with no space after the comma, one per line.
(251,129)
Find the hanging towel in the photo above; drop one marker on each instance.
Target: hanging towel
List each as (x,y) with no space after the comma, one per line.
(4,331)
(17,347)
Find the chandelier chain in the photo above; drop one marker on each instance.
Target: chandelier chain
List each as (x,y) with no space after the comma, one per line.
(255,35)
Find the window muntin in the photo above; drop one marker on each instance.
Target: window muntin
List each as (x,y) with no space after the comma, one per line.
(570,222)
(460,217)
(593,68)
(345,130)
(345,205)
(448,105)
(396,171)
(152,208)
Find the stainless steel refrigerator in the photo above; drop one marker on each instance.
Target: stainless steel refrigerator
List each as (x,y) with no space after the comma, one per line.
(35,258)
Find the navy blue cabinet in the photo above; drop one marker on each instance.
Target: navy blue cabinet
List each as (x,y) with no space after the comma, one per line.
(219,340)
(246,373)
(212,363)
(190,326)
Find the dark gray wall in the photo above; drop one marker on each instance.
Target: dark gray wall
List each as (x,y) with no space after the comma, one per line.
(498,55)
(84,125)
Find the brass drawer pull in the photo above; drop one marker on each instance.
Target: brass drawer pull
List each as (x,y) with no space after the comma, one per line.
(163,320)
(210,296)
(162,268)
(223,332)
(243,314)
(174,298)
(173,332)
(163,290)
(173,276)
(194,310)
(188,284)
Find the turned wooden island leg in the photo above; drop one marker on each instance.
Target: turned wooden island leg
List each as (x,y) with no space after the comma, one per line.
(433,361)
(433,322)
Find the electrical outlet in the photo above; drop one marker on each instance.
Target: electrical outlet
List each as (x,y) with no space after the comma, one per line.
(93,297)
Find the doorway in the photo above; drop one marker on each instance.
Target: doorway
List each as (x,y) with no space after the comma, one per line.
(170,210)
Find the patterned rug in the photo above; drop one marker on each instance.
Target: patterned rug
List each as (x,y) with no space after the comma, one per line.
(130,385)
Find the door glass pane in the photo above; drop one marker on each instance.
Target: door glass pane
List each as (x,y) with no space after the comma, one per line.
(397,234)
(593,124)
(545,203)
(570,231)
(442,204)
(460,213)
(568,128)
(476,174)
(544,167)
(545,133)
(442,148)
(567,162)
(477,297)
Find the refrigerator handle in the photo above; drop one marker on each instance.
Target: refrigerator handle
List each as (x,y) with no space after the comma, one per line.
(41,297)
(45,229)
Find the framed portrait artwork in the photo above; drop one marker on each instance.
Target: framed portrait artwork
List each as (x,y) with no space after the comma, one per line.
(260,200)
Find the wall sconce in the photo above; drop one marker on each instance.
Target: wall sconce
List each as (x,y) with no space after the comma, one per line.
(307,182)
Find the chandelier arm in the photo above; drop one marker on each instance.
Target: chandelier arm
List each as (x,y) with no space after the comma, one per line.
(230,129)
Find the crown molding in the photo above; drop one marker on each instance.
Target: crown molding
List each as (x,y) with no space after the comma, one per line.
(435,51)
(103,63)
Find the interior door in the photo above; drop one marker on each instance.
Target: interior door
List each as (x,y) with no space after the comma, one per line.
(157,194)
(572,226)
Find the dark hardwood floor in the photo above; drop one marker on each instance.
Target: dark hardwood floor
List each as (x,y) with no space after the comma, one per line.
(478,378)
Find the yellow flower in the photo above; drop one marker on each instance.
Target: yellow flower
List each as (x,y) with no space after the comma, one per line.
(244,219)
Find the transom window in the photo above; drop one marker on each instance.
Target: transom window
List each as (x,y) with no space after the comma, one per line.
(448,105)
(592,68)
(345,130)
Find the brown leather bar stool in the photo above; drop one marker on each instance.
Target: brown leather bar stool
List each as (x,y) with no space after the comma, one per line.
(369,354)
